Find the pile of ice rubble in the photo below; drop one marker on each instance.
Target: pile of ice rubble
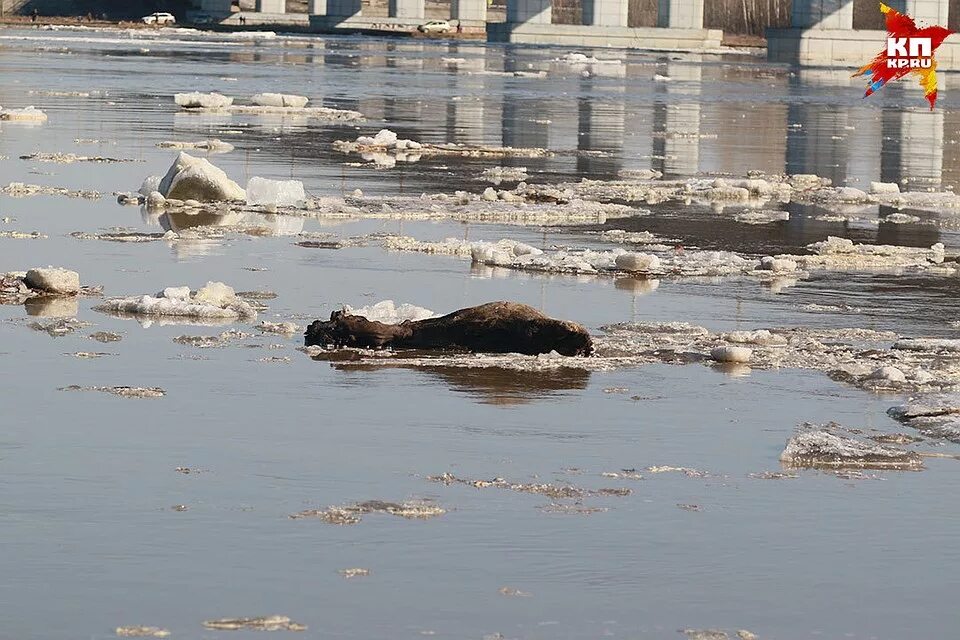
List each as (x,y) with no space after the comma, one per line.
(262,104)
(214,301)
(19,286)
(386,148)
(662,260)
(755,189)
(191,181)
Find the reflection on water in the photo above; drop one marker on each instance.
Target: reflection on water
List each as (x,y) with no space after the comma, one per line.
(486,385)
(263,224)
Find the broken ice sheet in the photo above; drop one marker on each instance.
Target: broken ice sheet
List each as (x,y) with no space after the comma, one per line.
(819,446)
(59,328)
(553,491)
(263,623)
(123,392)
(355,572)
(142,632)
(352,513)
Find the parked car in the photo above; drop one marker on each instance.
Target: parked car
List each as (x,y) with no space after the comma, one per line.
(435,26)
(159,18)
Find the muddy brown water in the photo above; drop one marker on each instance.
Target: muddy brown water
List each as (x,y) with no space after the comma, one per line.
(90,540)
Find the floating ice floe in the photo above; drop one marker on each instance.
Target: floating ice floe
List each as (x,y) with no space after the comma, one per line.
(497,175)
(22,190)
(576,58)
(278,193)
(263,623)
(197,100)
(934,416)
(42,283)
(27,114)
(403,150)
(263,104)
(820,448)
(70,158)
(353,513)
(210,146)
(755,189)
(142,632)
(279,100)
(191,178)
(215,301)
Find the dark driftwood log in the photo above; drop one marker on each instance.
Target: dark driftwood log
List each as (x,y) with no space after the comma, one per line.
(495,327)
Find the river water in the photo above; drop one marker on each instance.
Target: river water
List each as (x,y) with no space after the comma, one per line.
(92,541)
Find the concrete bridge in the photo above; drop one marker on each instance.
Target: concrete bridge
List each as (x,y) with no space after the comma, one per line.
(822,34)
(604,23)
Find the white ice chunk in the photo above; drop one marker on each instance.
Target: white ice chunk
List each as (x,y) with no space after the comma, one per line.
(731,354)
(53,280)
(389,313)
(192,178)
(280,193)
(27,114)
(637,262)
(197,100)
(150,184)
(885,188)
(279,100)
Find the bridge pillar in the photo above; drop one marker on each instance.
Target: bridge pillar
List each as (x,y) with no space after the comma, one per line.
(605,13)
(530,11)
(822,14)
(681,14)
(408,9)
(213,6)
(927,12)
(337,8)
(271,6)
(469,10)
